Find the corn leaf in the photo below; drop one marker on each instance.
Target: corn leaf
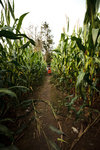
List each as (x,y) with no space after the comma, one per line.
(6,119)
(25,45)
(78,114)
(20,22)
(24,35)
(9,34)
(79,43)
(95,89)
(8,28)
(56,130)
(4,130)
(61,140)
(19,87)
(20,79)
(97,60)
(14,62)
(23,126)
(11,10)
(1,3)
(94,35)
(4,91)
(57,51)
(53,145)
(11,147)
(80,77)
(21,129)
(71,103)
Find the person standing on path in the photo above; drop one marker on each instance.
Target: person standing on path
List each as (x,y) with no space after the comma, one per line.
(49,71)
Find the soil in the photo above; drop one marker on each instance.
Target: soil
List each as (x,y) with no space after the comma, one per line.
(51,112)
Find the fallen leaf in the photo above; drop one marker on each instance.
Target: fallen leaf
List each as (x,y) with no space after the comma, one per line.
(81,130)
(74,129)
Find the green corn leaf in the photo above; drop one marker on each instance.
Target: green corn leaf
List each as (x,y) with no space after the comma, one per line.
(7,28)
(95,82)
(53,145)
(29,101)
(68,25)
(62,36)
(6,11)
(20,79)
(61,140)
(80,79)
(1,47)
(78,114)
(14,62)
(9,34)
(73,100)
(13,6)
(97,60)
(1,3)
(4,130)
(71,103)
(2,18)
(8,17)
(69,96)
(19,87)
(11,10)
(57,51)
(79,43)
(96,111)
(23,126)
(95,89)
(6,119)
(21,129)
(95,35)
(25,45)
(4,91)
(24,35)
(56,130)
(20,22)
(11,147)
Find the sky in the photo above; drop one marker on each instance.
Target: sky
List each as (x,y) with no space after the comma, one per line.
(53,12)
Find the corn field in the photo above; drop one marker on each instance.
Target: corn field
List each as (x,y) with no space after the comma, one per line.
(21,69)
(75,66)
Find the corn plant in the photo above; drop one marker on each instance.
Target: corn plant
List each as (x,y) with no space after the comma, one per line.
(76,61)
(21,69)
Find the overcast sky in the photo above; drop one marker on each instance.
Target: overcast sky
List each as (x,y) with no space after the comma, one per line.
(53,12)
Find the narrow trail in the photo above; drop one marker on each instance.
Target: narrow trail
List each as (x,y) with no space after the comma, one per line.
(46,117)
(35,139)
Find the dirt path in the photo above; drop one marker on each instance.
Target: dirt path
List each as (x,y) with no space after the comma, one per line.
(45,117)
(36,139)
(36,134)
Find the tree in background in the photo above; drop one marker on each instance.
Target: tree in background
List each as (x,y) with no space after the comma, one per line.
(47,41)
(34,33)
(43,40)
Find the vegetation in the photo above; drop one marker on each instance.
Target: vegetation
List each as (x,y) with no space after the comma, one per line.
(76,63)
(21,68)
(75,66)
